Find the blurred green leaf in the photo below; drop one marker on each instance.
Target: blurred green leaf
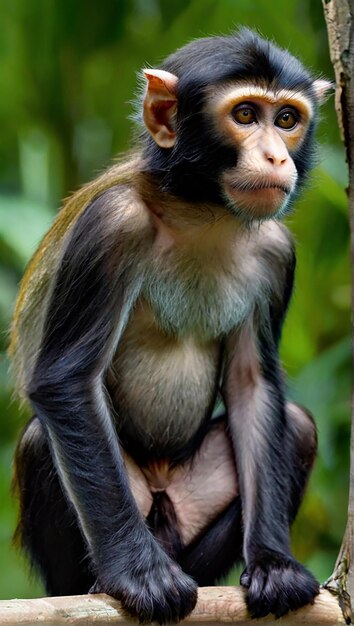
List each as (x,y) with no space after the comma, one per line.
(22,224)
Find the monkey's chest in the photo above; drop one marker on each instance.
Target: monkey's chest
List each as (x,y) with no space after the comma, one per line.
(161,387)
(206,300)
(167,366)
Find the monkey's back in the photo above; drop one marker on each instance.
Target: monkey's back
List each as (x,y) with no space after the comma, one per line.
(39,278)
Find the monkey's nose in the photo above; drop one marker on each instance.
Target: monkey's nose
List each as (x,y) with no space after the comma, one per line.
(276,159)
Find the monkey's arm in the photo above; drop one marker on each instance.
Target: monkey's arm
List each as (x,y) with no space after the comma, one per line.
(97,283)
(266,453)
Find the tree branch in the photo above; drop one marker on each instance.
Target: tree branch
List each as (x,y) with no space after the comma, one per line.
(215,605)
(339,16)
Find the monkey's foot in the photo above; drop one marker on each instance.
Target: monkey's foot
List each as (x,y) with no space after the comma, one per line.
(159,592)
(277,584)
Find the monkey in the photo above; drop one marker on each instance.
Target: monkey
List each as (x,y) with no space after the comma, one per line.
(158,294)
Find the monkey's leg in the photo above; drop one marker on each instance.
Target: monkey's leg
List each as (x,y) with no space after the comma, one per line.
(193,508)
(268,445)
(217,550)
(302,435)
(49,532)
(219,547)
(48,529)
(301,446)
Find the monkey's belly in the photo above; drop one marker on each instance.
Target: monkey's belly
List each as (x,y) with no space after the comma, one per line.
(162,389)
(199,489)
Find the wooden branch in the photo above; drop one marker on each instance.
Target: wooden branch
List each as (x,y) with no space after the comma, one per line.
(339,16)
(215,605)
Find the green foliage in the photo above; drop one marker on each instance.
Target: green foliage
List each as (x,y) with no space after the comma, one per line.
(67,77)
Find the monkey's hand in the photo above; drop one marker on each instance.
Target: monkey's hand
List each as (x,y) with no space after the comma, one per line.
(153,589)
(277,584)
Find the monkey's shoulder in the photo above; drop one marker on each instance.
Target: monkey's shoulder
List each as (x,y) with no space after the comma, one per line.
(108,204)
(275,241)
(111,203)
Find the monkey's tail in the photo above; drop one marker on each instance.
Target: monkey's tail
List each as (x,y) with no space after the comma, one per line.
(163,523)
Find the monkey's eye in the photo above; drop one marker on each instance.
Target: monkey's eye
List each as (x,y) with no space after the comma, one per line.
(244,114)
(286,119)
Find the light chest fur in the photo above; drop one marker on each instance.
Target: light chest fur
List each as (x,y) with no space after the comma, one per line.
(197,289)
(203,291)
(204,282)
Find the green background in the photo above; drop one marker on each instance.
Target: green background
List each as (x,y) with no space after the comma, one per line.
(67,81)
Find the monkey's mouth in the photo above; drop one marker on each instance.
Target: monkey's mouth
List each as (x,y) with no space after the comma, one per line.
(261,187)
(258,200)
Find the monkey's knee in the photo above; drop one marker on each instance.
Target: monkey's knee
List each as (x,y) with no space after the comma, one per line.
(31,447)
(304,433)
(31,463)
(47,529)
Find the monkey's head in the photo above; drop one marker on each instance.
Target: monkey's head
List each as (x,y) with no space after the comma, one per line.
(231,120)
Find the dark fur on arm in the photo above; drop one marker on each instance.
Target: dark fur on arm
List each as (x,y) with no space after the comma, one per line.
(97,284)
(266,452)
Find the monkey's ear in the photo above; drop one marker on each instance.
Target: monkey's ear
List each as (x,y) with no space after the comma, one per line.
(160,104)
(323,88)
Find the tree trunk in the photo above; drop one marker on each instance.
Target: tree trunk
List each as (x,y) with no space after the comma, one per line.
(339,16)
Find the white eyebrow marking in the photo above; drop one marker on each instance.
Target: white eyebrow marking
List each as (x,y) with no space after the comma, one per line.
(219,99)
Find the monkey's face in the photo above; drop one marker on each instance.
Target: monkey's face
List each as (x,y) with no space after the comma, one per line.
(248,145)
(266,129)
